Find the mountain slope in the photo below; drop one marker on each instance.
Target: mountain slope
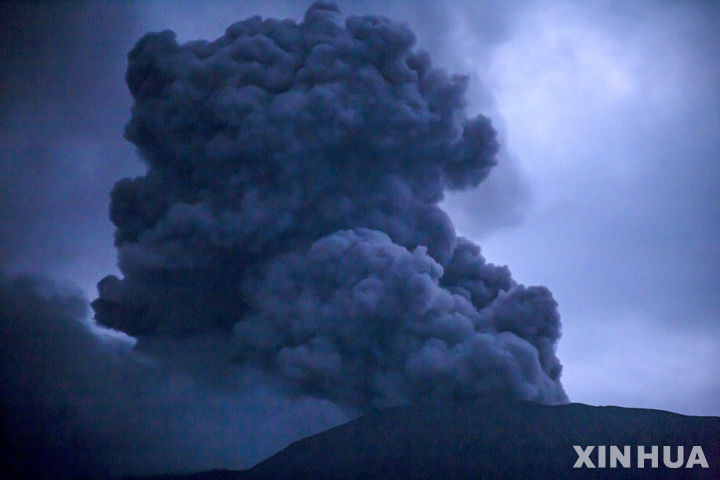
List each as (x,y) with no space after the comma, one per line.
(490,439)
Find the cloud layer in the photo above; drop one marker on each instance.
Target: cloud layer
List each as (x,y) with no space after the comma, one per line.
(75,404)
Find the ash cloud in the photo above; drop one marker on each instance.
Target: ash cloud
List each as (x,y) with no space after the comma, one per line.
(75,404)
(290,212)
(55,379)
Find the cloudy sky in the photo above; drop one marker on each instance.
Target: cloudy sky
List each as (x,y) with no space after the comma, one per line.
(606,189)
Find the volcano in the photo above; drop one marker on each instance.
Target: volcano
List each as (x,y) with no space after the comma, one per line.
(493,439)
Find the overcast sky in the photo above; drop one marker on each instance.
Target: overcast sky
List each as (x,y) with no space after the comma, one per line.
(607,190)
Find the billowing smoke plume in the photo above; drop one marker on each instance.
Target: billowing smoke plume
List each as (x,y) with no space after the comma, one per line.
(77,405)
(290,210)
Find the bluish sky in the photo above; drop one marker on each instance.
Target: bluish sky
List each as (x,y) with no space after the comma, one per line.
(607,191)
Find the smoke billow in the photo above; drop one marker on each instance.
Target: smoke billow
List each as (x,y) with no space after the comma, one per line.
(77,405)
(290,211)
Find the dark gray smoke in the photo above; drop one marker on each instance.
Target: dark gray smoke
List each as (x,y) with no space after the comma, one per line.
(290,211)
(56,379)
(77,405)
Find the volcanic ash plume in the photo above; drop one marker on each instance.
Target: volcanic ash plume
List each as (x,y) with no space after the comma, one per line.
(290,211)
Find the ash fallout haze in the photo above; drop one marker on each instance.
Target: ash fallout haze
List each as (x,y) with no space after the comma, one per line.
(294,213)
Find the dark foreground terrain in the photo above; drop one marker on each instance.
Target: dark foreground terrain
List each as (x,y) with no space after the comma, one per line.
(489,440)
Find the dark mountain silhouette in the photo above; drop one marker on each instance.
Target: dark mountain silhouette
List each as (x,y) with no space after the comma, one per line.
(489,439)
